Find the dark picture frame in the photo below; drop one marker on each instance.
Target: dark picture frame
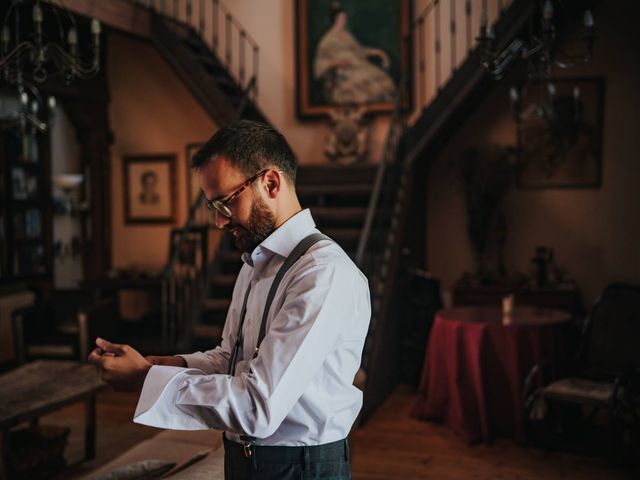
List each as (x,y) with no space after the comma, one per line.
(565,152)
(374,25)
(149,188)
(194,250)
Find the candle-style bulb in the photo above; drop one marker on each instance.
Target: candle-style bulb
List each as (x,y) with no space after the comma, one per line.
(24,98)
(547,11)
(95,27)
(72,37)
(34,107)
(588,19)
(576,93)
(514,95)
(52,102)
(551,88)
(37,13)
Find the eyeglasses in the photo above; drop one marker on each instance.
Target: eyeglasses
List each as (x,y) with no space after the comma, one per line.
(221,206)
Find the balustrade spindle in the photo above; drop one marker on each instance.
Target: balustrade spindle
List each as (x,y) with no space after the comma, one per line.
(215,23)
(228,39)
(255,71)
(176,13)
(243,39)
(422,77)
(452,28)
(437,42)
(467,10)
(202,12)
(189,12)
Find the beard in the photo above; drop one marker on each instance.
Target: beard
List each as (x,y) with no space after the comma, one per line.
(261,224)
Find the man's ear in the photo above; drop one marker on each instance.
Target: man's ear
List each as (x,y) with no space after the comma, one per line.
(273,182)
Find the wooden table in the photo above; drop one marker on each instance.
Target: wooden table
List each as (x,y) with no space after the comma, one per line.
(43,386)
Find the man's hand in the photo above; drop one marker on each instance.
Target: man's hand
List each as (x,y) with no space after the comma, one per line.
(121,366)
(171,361)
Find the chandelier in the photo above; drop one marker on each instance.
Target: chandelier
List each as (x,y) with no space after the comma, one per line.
(540,50)
(27,55)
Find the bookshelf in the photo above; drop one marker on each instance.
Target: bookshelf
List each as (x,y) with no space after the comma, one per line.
(25,205)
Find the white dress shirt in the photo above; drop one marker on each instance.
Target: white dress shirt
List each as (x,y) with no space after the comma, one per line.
(299,389)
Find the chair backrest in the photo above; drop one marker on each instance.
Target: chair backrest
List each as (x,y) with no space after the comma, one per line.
(612,335)
(100,319)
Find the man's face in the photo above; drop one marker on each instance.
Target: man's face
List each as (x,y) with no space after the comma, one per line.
(251,221)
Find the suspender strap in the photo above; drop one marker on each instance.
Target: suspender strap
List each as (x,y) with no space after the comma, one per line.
(234,354)
(293,257)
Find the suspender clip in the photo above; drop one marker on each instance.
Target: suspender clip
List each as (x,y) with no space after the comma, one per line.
(248,444)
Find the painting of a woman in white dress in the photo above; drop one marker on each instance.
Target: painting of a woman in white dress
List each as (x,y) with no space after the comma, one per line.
(349,52)
(346,67)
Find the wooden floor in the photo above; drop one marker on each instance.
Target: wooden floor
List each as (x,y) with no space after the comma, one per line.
(391,445)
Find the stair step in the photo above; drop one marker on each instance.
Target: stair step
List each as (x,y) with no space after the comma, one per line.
(343,233)
(341,213)
(206,331)
(223,280)
(216,304)
(333,174)
(230,256)
(334,189)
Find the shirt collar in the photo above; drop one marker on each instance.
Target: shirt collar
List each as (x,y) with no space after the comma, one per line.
(285,238)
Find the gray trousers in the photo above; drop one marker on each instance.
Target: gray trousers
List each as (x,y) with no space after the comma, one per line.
(329,461)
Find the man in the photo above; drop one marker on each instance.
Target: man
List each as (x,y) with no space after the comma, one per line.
(287,407)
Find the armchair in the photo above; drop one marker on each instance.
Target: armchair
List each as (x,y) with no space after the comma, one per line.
(602,383)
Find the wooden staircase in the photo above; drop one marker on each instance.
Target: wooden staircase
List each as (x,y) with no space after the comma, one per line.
(399,214)
(337,198)
(206,76)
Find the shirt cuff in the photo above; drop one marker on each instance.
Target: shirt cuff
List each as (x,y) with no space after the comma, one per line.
(157,406)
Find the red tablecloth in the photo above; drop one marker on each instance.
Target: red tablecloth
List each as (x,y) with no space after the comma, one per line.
(476,364)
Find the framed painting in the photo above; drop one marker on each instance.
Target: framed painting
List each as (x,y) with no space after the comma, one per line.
(149,189)
(194,249)
(350,52)
(560,145)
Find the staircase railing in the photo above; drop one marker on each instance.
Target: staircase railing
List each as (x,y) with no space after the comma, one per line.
(443,35)
(234,47)
(184,286)
(377,237)
(445,70)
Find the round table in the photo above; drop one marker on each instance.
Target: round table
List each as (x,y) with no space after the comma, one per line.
(476,363)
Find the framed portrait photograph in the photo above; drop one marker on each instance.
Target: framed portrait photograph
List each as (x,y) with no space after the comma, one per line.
(560,145)
(149,188)
(193,185)
(350,52)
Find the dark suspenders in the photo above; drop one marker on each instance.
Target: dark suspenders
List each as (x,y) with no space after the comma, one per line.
(293,257)
(248,442)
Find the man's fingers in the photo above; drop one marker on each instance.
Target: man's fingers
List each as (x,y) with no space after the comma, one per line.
(108,347)
(95,356)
